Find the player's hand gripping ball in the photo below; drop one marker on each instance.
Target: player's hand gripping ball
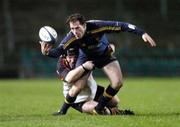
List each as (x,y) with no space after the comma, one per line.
(48,34)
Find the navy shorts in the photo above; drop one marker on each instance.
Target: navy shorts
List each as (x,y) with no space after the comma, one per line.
(99,60)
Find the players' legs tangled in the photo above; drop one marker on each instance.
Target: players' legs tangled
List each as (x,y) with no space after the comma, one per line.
(72,94)
(90,105)
(114,102)
(114,74)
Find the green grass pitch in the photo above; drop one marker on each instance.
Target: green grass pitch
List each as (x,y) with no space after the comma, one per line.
(29,103)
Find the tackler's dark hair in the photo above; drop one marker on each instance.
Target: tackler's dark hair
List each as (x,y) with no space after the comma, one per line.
(72,52)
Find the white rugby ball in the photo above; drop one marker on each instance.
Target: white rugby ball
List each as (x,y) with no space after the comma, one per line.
(48,34)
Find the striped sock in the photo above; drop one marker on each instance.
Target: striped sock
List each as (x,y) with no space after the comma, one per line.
(67,103)
(105,98)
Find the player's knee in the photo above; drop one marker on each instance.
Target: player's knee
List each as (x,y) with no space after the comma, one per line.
(117,84)
(84,108)
(74,91)
(89,106)
(120,83)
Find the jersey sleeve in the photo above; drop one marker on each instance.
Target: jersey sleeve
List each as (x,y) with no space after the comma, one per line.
(69,41)
(115,26)
(66,42)
(127,27)
(56,52)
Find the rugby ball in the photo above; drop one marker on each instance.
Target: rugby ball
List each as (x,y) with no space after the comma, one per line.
(48,34)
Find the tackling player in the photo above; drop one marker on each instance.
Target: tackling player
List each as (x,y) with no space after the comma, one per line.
(87,99)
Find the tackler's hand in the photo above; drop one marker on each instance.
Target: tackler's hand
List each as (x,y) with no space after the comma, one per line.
(88,65)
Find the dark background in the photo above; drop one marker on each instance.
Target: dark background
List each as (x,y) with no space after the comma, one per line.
(20,21)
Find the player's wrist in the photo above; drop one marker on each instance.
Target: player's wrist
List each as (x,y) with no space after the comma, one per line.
(84,68)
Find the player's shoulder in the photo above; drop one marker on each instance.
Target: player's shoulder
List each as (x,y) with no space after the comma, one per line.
(95,22)
(101,23)
(69,37)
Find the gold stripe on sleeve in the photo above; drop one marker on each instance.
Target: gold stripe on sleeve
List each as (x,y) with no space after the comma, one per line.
(69,42)
(105,28)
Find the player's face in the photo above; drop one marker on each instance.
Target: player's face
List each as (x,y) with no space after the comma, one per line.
(77,29)
(71,60)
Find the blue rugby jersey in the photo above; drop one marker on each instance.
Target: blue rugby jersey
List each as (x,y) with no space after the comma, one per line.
(94,42)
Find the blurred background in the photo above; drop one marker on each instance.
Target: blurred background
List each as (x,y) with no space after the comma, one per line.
(20,21)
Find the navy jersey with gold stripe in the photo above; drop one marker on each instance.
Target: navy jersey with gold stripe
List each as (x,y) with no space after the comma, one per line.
(94,42)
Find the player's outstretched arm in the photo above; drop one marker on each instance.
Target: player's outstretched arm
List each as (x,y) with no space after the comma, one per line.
(148,39)
(48,50)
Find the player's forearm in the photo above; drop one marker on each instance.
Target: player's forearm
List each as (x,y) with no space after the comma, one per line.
(130,28)
(56,52)
(74,74)
(115,26)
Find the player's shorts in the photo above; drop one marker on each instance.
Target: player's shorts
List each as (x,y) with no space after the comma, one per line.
(99,93)
(99,60)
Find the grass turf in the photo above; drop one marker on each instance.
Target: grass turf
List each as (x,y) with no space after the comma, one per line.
(156,102)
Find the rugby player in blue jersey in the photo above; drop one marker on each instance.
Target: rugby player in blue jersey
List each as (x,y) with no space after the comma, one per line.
(90,38)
